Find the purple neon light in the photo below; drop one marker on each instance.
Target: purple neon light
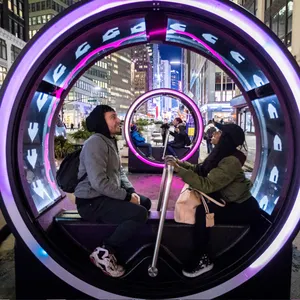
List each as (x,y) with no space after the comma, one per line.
(74,17)
(157,92)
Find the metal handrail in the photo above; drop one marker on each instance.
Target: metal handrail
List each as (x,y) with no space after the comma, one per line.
(166,143)
(162,188)
(152,270)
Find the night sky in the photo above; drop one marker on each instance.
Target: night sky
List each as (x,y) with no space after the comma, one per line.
(171,53)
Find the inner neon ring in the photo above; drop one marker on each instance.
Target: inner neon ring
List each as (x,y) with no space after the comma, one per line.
(158,92)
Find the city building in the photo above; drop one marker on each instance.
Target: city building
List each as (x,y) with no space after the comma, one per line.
(92,87)
(121,90)
(13,33)
(165,76)
(283,18)
(175,85)
(210,87)
(142,75)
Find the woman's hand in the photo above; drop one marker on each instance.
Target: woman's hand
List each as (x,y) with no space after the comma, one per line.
(172,161)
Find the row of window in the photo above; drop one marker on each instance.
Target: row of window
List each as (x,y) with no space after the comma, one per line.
(43,5)
(281,21)
(40,19)
(101,64)
(100,84)
(17,7)
(97,73)
(16,28)
(15,51)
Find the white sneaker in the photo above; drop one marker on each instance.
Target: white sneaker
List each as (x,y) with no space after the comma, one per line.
(107,262)
(204,266)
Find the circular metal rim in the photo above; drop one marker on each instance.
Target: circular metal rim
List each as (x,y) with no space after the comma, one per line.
(212,6)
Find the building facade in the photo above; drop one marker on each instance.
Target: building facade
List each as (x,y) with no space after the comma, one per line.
(121,91)
(13,33)
(283,18)
(92,87)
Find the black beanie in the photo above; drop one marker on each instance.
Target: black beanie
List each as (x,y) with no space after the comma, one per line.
(95,122)
(234,131)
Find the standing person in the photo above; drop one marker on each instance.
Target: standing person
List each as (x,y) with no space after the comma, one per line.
(180,137)
(106,195)
(221,173)
(140,141)
(164,128)
(208,133)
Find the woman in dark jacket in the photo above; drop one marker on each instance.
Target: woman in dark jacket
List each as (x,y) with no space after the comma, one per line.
(221,175)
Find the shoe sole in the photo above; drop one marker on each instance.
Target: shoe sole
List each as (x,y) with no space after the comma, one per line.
(196,274)
(92,259)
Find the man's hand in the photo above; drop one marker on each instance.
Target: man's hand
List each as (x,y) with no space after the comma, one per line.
(135,198)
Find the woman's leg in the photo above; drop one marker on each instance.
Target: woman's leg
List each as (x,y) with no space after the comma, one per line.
(199,261)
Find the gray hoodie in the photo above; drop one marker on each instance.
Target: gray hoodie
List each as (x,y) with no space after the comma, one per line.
(99,158)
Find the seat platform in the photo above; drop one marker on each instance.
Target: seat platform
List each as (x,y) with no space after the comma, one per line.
(177,238)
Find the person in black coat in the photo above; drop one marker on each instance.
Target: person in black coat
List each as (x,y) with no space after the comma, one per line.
(180,137)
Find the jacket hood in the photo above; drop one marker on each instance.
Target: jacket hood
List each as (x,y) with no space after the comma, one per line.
(95,122)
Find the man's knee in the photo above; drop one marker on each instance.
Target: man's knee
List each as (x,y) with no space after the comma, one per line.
(146,202)
(141,214)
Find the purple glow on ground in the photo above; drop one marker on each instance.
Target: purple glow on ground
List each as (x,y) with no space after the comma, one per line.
(153,93)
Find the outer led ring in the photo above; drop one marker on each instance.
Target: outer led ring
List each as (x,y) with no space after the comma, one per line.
(140,100)
(41,44)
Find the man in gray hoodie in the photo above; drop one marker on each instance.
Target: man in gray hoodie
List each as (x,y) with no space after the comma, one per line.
(106,195)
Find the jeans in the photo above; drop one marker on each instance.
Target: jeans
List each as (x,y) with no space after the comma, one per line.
(209,146)
(129,217)
(171,146)
(246,213)
(147,146)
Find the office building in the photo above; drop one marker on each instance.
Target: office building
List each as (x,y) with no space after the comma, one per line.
(13,33)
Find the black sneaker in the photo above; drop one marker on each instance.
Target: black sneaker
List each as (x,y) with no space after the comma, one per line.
(204,266)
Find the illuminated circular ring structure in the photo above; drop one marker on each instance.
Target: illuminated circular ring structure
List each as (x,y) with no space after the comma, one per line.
(159,92)
(42,76)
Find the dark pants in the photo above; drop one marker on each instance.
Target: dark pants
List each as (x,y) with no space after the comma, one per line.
(171,146)
(209,146)
(147,146)
(246,213)
(129,216)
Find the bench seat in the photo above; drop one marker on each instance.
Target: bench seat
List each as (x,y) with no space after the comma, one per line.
(177,238)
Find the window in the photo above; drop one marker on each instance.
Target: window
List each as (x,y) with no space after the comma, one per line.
(33,7)
(39,20)
(29,21)
(15,51)
(38,6)
(21,9)
(16,29)
(49,17)
(44,19)
(9,5)
(10,25)
(3,72)
(33,21)
(43,5)
(21,32)
(3,49)
(281,23)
